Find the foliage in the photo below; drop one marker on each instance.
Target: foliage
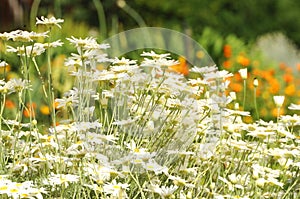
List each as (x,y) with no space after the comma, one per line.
(245,19)
(136,129)
(274,75)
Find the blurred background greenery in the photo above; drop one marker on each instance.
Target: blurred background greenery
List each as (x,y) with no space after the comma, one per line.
(260,35)
(246,20)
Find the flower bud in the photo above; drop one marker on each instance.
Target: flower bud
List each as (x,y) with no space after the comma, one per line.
(243,73)
(236,106)
(279,99)
(255,82)
(232,95)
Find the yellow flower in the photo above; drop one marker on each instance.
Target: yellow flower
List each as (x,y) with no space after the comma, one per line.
(45,110)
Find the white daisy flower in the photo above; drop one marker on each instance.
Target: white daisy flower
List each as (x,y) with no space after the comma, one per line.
(52,21)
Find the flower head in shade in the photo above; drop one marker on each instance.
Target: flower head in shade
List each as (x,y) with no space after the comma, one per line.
(278,99)
(3,64)
(52,21)
(5,36)
(17,85)
(53,44)
(29,51)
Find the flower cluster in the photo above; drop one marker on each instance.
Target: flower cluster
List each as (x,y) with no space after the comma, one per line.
(139,129)
(273,79)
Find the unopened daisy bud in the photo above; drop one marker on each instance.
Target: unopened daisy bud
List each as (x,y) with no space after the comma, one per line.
(232,95)
(243,73)
(206,95)
(121,3)
(260,182)
(255,174)
(212,185)
(278,99)
(255,82)
(34,122)
(189,195)
(236,106)
(233,178)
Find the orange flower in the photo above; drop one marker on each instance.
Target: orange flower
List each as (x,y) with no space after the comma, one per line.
(274,86)
(227,51)
(298,67)
(256,72)
(227,64)
(288,77)
(29,111)
(9,104)
(182,67)
(236,87)
(282,66)
(258,92)
(237,77)
(268,75)
(244,61)
(288,69)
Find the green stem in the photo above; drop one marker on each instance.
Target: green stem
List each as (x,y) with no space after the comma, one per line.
(40,75)
(33,13)
(51,93)
(57,8)
(140,21)
(101,18)
(50,83)
(244,100)
(255,104)
(278,114)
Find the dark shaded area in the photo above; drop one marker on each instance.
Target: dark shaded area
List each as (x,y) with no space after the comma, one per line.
(244,18)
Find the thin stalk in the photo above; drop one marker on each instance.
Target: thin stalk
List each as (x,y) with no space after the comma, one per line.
(244,100)
(40,75)
(278,114)
(139,186)
(50,83)
(33,13)
(51,95)
(255,104)
(101,18)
